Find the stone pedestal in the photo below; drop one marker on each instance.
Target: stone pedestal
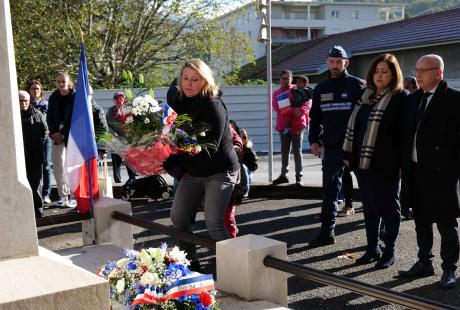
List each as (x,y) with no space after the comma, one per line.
(240,269)
(29,278)
(18,232)
(108,230)
(48,281)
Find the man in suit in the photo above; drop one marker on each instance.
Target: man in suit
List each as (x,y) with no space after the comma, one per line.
(431,170)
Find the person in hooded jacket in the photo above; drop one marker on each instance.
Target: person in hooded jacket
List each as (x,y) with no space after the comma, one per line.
(34,134)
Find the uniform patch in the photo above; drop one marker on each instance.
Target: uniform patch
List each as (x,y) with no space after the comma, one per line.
(344,95)
(327,97)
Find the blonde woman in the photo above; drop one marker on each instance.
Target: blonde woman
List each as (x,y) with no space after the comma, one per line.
(58,118)
(210,174)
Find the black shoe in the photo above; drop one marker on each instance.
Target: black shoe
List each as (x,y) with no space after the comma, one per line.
(388,259)
(369,257)
(39,213)
(281,179)
(448,279)
(322,240)
(419,270)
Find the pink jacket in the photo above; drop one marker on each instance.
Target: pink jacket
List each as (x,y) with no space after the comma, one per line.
(281,122)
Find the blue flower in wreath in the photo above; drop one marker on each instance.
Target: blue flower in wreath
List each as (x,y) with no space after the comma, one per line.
(190,140)
(183,298)
(132,266)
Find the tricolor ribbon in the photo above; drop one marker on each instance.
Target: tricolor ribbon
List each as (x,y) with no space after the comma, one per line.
(195,283)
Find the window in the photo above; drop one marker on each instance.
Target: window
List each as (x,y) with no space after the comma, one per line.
(354,14)
(334,14)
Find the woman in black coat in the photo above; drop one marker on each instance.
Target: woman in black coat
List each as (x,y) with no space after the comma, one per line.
(212,173)
(372,148)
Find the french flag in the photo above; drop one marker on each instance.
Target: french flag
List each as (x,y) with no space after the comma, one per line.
(81,156)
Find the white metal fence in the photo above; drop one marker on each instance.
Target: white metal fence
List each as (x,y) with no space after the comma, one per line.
(247,106)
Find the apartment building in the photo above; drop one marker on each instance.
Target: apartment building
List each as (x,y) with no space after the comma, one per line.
(298,21)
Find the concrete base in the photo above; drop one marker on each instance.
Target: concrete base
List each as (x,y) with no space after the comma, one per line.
(92,258)
(108,230)
(231,302)
(47,282)
(240,266)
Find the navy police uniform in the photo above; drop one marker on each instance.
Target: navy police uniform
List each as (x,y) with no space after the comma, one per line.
(333,100)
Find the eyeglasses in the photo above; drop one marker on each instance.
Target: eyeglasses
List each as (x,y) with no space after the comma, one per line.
(423,70)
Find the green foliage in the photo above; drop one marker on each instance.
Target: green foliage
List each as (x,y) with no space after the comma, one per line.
(149,38)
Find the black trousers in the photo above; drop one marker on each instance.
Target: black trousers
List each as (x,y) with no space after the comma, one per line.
(380,197)
(116,164)
(347,183)
(448,229)
(34,176)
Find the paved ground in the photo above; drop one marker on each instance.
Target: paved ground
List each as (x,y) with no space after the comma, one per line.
(294,221)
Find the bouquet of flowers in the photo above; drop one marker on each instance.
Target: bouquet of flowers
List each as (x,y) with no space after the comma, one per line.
(158,278)
(152,134)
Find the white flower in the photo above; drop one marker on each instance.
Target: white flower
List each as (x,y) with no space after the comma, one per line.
(149,278)
(202,134)
(177,255)
(144,106)
(146,259)
(146,120)
(137,101)
(129,120)
(120,286)
(123,263)
(150,100)
(154,109)
(136,111)
(158,254)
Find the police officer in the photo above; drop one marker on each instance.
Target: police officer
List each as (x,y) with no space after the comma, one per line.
(333,99)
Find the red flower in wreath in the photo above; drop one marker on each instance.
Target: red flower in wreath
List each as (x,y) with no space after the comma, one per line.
(206,299)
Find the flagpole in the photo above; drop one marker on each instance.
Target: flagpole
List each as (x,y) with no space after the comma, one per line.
(91,203)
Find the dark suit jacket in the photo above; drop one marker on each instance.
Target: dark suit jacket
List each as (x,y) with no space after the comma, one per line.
(436,195)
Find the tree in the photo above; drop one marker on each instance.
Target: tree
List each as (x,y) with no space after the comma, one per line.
(147,37)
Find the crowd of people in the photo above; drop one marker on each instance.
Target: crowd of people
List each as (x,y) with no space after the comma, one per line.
(46,126)
(399,136)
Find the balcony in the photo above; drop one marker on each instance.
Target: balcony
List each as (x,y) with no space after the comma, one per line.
(279,41)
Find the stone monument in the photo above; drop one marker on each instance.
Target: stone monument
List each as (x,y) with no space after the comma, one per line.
(30,277)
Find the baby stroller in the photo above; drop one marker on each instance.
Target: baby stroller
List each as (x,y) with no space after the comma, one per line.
(154,187)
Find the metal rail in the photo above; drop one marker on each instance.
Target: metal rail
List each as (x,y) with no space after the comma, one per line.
(170,231)
(362,288)
(381,293)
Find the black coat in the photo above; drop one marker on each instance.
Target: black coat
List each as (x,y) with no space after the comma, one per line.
(438,156)
(34,134)
(388,153)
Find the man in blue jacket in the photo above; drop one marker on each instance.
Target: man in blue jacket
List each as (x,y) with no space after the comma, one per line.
(333,99)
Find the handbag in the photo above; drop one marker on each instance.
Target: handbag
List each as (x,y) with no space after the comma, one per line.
(105,182)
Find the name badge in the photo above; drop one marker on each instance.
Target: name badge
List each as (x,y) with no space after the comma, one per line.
(327,97)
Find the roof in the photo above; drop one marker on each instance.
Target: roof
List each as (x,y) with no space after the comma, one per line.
(309,57)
